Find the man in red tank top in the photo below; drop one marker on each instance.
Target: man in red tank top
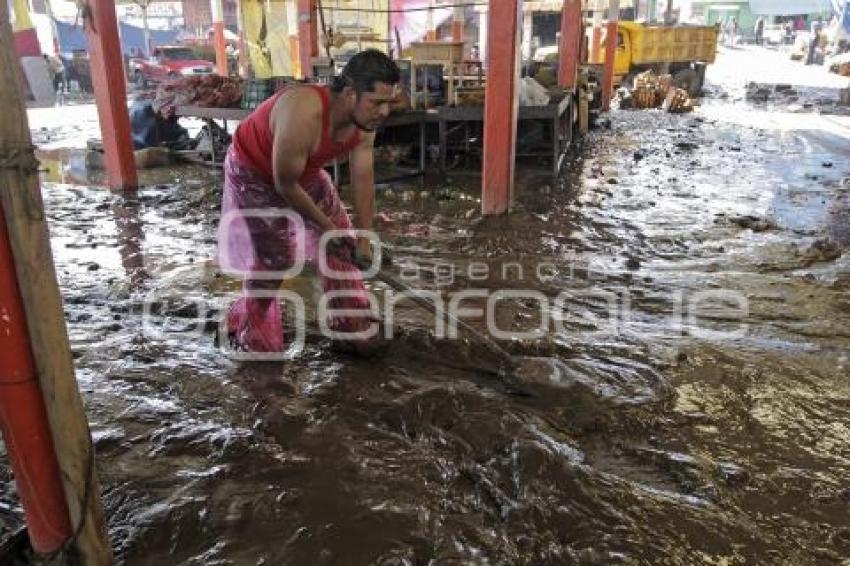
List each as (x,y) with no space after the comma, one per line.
(275,164)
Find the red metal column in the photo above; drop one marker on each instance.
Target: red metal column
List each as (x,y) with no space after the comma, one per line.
(595,40)
(431,33)
(110,92)
(608,74)
(571,37)
(308,40)
(458,19)
(218,37)
(501,103)
(23,418)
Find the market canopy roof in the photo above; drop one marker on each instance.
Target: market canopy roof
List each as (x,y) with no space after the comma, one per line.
(789,7)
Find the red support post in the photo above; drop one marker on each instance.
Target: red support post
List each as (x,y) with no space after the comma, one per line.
(501,105)
(308,41)
(458,17)
(23,418)
(431,32)
(218,38)
(608,73)
(595,40)
(110,92)
(571,37)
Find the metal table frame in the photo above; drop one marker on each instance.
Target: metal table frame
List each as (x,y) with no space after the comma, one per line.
(553,114)
(420,118)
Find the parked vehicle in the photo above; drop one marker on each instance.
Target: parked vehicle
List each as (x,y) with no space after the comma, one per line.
(684,51)
(168,63)
(774,34)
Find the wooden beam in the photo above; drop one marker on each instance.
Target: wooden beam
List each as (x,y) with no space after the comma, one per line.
(26,227)
(571,37)
(501,105)
(110,92)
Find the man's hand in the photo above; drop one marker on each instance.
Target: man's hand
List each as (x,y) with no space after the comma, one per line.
(363,253)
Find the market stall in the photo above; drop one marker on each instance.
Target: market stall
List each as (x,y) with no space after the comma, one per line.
(443,83)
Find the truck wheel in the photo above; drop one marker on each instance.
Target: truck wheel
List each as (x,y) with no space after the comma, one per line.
(688,80)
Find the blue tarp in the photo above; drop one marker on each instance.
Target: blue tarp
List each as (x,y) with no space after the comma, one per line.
(73,37)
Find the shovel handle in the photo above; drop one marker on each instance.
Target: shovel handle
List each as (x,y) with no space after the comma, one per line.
(472,332)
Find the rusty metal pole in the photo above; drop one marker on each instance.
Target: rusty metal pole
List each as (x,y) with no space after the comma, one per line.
(569,44)
(110,92)
(501,106)
(610,54)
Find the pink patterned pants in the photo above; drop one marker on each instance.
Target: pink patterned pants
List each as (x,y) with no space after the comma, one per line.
(254,245)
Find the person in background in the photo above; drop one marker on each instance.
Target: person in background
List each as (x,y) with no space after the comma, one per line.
(789,33)
(814,43)
(150,128)
(733,31)
(154,136)
(56,68)
(759,31)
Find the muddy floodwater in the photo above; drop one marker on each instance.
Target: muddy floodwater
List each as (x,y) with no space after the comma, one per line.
(692,277)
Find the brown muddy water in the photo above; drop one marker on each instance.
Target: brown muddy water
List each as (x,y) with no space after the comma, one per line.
(694,276)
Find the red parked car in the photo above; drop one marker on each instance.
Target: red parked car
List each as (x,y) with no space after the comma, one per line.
(168,63)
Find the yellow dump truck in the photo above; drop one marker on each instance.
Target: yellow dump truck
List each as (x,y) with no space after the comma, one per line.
(683,51)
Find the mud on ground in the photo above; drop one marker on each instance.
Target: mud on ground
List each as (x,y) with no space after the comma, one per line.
(693,427)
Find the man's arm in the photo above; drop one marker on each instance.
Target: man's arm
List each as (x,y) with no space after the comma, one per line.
(362,167)
(296,126)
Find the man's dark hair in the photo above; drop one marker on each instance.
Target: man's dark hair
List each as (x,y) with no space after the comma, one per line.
(364,70)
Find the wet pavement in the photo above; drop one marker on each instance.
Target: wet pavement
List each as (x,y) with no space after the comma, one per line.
(693,275)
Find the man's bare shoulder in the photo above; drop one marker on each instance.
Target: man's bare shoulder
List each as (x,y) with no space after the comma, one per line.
(298,103)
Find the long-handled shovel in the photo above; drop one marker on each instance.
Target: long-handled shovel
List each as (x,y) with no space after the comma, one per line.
(508,364)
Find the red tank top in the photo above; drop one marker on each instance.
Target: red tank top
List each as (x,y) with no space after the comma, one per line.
(252,141)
